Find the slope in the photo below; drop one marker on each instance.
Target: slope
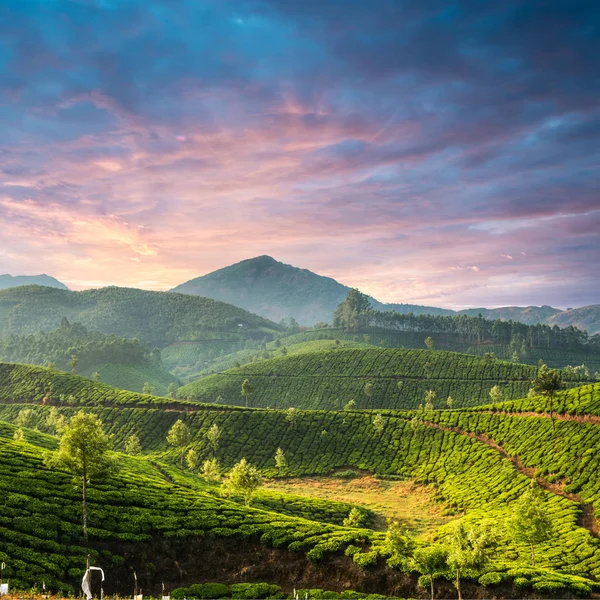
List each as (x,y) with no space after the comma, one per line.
(279,291)
(398,378)
(479,462)
(10,281)
(156,317)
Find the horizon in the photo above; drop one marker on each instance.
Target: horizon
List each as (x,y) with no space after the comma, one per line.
(449,307)
(442,155)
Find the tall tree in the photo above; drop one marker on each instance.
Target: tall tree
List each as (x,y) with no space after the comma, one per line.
(353,312)
(147,389)
(247,390)
(429,342)
(280,461)
(469,550)
(179,437)
(73,363)
(84,450)
(245,479)
(496,394)
(369,391)
(547,383)
(398,544)
(431,562)
(213,435)
(530,523)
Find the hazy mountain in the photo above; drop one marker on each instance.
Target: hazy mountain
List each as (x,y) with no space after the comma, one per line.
(8,281)
(586,317)
(276,291)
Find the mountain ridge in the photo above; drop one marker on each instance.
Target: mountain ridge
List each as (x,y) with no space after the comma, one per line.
(276,290)
(11,281)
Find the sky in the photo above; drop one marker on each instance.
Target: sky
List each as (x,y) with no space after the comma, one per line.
(442,153)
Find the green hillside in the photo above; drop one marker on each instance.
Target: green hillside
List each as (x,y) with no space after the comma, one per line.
(27,383)
(185,361)
(556,358)
(479,463)
(156,317)
(399,379)
(133,377)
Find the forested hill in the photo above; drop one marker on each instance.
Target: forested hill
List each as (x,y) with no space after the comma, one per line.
(10,281)
(278,291)
(73,342)
(157,317)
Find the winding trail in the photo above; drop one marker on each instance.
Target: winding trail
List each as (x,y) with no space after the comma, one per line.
(586,519)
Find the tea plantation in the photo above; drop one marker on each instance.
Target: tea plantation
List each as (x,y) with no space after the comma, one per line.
(398,378)
(478,462)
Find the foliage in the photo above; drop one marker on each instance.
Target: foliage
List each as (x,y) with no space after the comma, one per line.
(244,478)
(132,445)
(179,436)
(280,460)
(431,562)
(530,522)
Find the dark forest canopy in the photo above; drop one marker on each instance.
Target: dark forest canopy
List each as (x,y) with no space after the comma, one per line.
(356,312)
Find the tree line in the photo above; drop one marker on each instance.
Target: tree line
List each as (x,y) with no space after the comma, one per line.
(356,312)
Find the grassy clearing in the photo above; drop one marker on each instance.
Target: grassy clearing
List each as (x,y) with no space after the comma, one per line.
(407,501)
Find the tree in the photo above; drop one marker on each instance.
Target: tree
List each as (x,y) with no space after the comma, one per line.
(280,461)
(450,402)
(73,363)
(179,437)
(55,422)
(378,423)
(25,418)
(353,312)
(192,459)
(132,445)
(350,405)
(172,389)
(355,518)
(213,435)
(211,469)
(429,399)
(469,550)
(96,376)
(529,522)
(84,451)
(431,562)
(369,390)
(290,415)
(147,389)
(496,394)
(398,544)
(247,390)
(429,342)
(245,479)
(547,383)
(19,435)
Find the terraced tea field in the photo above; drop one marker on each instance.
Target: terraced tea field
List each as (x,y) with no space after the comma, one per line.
(399,379)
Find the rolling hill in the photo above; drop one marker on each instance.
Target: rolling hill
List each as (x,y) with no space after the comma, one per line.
(278,291)
(10,281)
(156,317)
(476,462)
(399,379)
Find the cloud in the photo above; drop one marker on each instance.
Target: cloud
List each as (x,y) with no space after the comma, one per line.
(402,147)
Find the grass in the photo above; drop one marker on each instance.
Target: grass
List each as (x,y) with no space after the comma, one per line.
(409,502)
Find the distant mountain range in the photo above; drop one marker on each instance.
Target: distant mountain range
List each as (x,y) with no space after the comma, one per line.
(276,291)
(8,281)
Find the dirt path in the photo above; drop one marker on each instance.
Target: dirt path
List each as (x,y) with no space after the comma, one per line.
(586,519)
(593,419)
